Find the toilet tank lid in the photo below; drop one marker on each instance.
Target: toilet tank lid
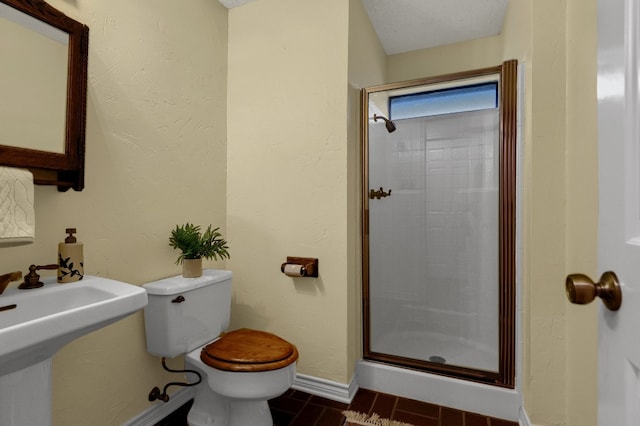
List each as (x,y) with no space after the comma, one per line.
(179,284)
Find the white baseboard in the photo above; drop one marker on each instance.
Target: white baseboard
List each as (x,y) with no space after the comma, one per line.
(524,419)
(326,388)
(313,385)
(160,410)
(309,384)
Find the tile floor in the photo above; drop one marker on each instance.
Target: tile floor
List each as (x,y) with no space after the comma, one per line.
(296,408)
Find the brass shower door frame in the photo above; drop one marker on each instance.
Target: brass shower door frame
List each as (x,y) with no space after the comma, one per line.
(505,377)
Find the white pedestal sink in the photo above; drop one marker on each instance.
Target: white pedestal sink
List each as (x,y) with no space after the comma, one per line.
(42,322)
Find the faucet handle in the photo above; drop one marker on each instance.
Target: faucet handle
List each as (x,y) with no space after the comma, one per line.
(32,279)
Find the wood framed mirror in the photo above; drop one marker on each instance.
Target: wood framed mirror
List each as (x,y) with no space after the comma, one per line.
(44,81)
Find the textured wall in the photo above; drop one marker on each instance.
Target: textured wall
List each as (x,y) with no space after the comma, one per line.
(480,53)
(156,154)
(287,174)
(367,67)
(582,208)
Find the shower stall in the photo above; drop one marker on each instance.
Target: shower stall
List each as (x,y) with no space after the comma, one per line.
(439,225)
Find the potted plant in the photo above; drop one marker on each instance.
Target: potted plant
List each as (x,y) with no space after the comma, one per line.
(195,245)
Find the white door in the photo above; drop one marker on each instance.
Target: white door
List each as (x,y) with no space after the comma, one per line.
(619,221)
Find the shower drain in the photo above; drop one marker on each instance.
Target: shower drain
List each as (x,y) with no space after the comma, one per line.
(437,359)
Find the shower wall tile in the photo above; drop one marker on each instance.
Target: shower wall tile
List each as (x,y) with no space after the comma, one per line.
(430,268)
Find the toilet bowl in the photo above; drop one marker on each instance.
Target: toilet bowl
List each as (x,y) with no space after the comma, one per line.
(240,387)
(240,370)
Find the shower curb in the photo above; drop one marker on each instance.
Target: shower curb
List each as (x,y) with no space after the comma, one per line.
(460,394)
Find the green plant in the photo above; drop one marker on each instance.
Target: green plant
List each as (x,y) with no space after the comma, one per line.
(195,245)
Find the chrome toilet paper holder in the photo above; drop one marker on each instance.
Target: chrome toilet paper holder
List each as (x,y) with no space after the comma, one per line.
(300,267)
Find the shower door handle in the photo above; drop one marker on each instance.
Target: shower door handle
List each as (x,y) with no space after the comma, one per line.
(582,290)
(379,194)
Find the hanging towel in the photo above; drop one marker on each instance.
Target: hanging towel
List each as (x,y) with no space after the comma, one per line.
(17,215)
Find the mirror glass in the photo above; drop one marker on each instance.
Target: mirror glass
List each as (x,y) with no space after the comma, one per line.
(43,92)
(35,118)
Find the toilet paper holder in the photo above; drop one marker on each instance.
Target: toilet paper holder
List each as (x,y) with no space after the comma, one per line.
(300,267)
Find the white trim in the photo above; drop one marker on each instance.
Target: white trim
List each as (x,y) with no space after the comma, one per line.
(326,388)
(160,410)
(313,385)
(342,393)
(524,419)
(519,231)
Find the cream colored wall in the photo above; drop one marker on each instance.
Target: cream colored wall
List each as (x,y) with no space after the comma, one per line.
(156,156)
(474,54)
(367,60)
(555,42)
(367,67)
(287,175)
(582,207)
(157,120)
(560,206)
(545,240)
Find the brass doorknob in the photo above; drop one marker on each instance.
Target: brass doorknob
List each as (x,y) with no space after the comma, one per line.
(582,290)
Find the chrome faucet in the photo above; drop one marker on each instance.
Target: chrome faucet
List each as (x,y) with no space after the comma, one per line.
(7,278)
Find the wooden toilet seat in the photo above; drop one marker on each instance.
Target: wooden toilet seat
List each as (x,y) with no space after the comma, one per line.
(249,351)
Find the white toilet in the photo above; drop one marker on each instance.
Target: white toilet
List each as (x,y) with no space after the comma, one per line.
(240,370)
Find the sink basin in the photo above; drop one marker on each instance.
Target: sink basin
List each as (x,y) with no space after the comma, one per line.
(47,318)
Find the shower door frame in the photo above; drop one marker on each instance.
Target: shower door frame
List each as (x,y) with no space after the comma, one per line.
(505,377)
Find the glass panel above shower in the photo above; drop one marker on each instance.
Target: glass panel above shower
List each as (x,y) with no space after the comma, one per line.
(451,100)
(436,291)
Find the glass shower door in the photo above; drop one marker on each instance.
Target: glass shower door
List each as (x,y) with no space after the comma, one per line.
(439,224)
(433,242)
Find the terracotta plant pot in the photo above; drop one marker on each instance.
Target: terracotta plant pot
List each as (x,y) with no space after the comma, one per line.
(192,268)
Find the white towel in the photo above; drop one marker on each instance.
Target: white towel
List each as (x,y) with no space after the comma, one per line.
(17,215)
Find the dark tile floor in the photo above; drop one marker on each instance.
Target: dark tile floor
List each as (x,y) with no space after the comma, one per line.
(296,408)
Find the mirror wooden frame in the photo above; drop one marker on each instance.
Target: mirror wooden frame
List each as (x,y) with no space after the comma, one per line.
(49,168)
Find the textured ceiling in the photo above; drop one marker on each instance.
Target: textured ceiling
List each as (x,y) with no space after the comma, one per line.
(405,25)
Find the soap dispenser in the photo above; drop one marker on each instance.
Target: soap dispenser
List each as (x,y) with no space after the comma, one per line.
(70,260)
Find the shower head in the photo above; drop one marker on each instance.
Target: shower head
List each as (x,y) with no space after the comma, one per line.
(391,127)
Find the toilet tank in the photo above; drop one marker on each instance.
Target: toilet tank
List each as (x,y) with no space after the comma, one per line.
(184,313)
